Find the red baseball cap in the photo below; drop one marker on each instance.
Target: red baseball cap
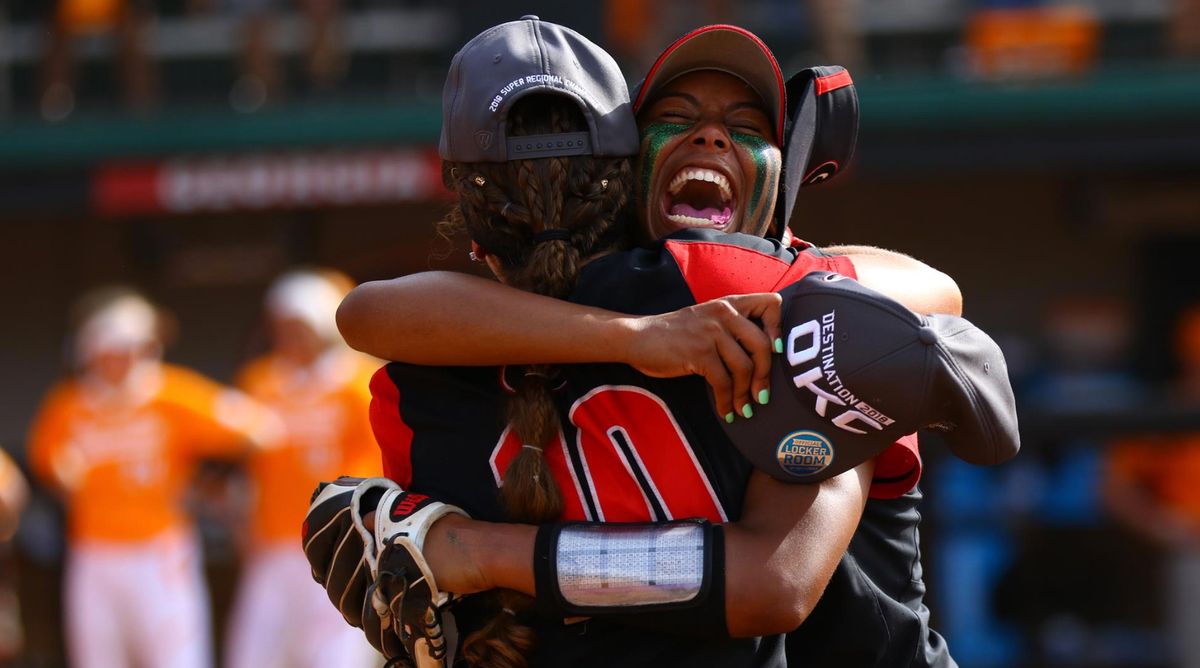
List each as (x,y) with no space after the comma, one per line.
(724,48)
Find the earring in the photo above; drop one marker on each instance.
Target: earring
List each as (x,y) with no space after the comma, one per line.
(603,185)
(479,180)
(474,257)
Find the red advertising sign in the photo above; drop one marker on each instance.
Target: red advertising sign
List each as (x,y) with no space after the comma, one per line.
(267,181)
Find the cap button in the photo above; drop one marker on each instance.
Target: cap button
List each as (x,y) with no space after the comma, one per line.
(530,17)
(927,336)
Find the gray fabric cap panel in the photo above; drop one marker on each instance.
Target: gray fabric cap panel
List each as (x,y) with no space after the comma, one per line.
(506,62)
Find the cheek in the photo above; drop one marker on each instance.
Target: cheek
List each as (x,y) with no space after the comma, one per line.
(658,139)
(762,164)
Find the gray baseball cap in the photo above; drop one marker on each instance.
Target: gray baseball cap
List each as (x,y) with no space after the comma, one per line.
(859,371)
(507,62)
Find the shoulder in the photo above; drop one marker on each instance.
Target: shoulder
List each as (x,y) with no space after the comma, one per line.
(187,391)
(709,246)
(178,381)
(256,373)
(687,267)
(58,405)
(61,395)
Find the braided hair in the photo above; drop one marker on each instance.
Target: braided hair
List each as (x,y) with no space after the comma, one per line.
(542,218)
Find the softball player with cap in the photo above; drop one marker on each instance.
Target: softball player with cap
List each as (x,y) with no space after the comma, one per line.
(318,387)
(597,477)
(118,443)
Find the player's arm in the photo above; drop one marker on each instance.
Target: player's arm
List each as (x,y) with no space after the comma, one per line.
(53,458)
(777,560)
(447,318)
(219,422)
(909,281)
(783,551)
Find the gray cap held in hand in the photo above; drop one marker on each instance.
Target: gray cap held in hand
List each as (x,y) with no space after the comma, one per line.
(859,371)
(507,62)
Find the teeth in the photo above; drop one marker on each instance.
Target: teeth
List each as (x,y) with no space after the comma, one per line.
(688,221)
(697,174)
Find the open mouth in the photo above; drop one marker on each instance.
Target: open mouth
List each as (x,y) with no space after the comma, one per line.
(699,197)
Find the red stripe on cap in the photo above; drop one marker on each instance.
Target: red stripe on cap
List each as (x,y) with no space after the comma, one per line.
(782,112)
(833,82)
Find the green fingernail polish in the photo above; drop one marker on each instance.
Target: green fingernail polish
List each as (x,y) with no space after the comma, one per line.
(747,411)
(778,345)
(729,418)
(764,396)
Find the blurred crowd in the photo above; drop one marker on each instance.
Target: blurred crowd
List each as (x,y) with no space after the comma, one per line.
(275,50)
(128,24)
(121,443)
(1083,552)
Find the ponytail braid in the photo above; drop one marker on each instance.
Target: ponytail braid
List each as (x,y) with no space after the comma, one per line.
(502,207)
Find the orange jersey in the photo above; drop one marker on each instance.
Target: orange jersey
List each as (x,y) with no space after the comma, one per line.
(123,467)
(325,410)
(1167,467)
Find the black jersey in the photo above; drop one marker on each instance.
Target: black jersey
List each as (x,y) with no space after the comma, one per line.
(872,614)
(633,448)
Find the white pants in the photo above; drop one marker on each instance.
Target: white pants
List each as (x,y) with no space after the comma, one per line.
(143,604)
(281,617)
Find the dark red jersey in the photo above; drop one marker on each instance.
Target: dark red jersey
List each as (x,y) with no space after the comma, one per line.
(633,448)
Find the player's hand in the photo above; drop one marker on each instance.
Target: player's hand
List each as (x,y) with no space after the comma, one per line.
(335,549)
(718,340)
(451,562)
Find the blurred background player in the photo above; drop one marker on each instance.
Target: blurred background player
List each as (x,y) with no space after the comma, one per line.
(1151,488)
(14,497)
(118,443)
(319,387)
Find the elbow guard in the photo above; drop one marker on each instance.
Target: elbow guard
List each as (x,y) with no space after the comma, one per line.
(588,569)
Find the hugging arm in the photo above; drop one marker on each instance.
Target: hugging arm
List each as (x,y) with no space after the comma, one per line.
(909,281)
(778,556)
(447,318)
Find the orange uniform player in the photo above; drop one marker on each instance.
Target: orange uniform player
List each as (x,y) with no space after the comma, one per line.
(319,387)
(1151,486)
(121,463)
(118,442)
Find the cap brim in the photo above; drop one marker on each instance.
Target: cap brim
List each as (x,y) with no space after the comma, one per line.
(724,48)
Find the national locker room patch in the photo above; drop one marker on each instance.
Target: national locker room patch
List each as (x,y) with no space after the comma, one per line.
(803,453)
